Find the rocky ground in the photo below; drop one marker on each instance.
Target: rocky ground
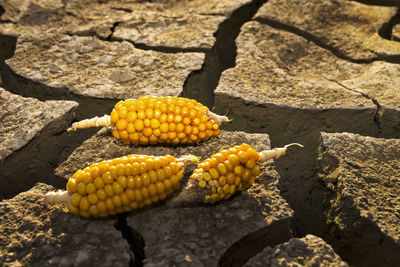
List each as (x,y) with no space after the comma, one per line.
(321,73)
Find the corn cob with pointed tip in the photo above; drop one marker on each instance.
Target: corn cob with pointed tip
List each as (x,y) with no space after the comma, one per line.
(121,184)
(227,172)
(152,120)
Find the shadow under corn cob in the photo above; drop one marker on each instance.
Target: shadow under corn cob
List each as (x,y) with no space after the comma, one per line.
(152,120)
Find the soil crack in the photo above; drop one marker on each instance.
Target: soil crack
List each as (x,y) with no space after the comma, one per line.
(379,110)
(134,239)
(386,29)
(314,39)
(200,84)
(248,246)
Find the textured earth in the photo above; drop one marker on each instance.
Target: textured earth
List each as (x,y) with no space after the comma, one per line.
(321,73)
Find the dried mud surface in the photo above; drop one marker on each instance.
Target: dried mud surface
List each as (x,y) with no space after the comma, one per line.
(321,73)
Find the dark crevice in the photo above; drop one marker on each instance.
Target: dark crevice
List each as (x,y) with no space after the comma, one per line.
(319,42)
(298,183)
(8,44)
(37,160)
(386,29)
(112,31)
(312,38)
(3,21)
(134,239)
(200,84)
(247,247)
(88,106)
(379,110)
(128,10)
(380,2)
(163,49)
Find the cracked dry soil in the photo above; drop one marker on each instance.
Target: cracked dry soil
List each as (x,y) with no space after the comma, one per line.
(324,74)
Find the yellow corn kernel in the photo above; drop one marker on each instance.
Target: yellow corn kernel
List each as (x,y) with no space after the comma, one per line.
(114,189)
(152,119)
(230,170)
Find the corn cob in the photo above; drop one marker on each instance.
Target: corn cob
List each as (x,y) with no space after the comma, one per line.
(121,184)
(227,172)
(152,120)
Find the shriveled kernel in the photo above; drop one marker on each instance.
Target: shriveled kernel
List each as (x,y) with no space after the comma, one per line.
(138,195)
(138,181)
(110,204)
(152,190)
(242,156)
(160,187)
(107,178)
(153,176)
(207,176)
(122,181)
(167,184)
(145,179)
(84,204)
(98,182)
(230,178)
(121,124)
(234,159)
(222,168)
(114,116)
(130,182)
(101,206)
(124,199)
(222,180)
(255,171)
(145,192)
(109,190)
(92,198)
(246,174)
(122,112)
(167,171)
(101,194)
(81,189)
(117,188)
(75,199)
(202,184)
(250,163)
(175,167)
(238,170)
(90,188)
(132,116)
(139,125)
(117,200)
(71,186)
(214,173)
(161,174)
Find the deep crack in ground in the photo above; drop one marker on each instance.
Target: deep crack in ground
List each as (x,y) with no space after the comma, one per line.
(200,84)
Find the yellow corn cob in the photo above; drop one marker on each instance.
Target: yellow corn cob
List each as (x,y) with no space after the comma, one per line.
(228,171)
(121,184)
(152,120)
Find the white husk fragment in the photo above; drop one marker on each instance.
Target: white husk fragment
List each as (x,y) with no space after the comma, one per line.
(276,152)
(216,118)
(59,197)
(104,121)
